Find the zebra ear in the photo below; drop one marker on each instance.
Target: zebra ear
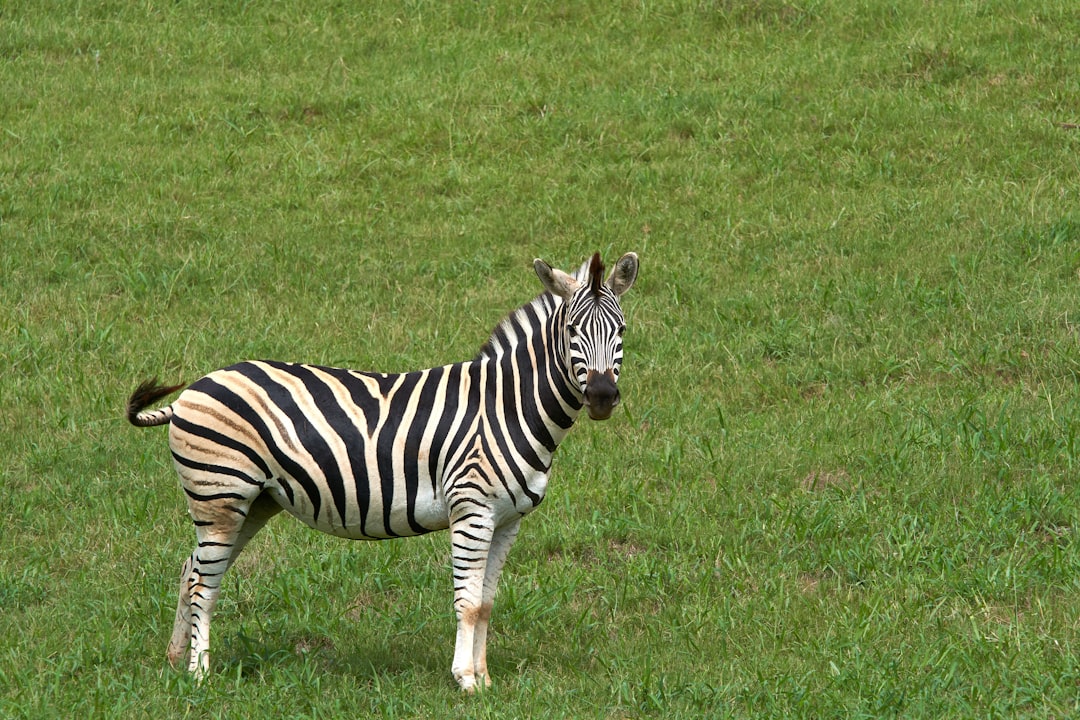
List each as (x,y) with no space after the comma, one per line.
(555,281)
(623,274)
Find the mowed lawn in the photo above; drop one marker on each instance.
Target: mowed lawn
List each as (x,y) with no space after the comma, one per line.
(843,479)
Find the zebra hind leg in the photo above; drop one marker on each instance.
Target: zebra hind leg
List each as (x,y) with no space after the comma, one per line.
(222,535)
(261,510)
(181,636)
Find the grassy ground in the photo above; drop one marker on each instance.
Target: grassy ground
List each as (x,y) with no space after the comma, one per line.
(843,481)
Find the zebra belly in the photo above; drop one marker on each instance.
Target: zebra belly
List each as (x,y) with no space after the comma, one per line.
(428,514)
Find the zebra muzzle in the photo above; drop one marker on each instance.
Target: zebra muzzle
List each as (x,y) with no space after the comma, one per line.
(601,394)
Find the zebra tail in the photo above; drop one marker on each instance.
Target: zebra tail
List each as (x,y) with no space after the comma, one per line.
(145,394)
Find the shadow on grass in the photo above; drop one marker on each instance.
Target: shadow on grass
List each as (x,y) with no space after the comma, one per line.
(243,655)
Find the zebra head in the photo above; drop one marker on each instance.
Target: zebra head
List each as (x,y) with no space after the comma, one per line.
(591,327)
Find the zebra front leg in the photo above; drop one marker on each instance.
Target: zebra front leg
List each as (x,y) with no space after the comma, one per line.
(471,535)
(501,541)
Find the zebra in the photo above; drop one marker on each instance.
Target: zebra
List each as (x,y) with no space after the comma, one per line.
(363,455)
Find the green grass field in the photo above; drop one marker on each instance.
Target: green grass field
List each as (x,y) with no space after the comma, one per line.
(843,481)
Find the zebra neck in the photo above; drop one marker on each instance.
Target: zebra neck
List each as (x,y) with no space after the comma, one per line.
(526,350)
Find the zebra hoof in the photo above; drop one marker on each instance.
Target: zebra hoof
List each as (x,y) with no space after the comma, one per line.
(472,683)
(178,657)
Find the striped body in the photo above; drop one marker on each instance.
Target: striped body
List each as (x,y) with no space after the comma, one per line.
(372,456)
(362,455)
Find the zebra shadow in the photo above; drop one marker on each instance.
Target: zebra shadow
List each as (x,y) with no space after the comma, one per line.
(247,655)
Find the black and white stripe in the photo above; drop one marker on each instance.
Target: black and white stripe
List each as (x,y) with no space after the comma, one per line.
(372,456)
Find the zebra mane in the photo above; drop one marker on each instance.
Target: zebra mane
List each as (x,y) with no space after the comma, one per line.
(596,275)
(504,337)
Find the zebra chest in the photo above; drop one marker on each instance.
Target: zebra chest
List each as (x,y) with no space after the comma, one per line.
(484,476)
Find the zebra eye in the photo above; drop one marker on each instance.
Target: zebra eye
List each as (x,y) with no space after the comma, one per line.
(621,330)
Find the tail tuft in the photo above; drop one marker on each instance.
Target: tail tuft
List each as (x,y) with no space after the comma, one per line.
(148,392)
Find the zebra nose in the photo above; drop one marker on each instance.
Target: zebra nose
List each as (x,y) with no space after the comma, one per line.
(601,394)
